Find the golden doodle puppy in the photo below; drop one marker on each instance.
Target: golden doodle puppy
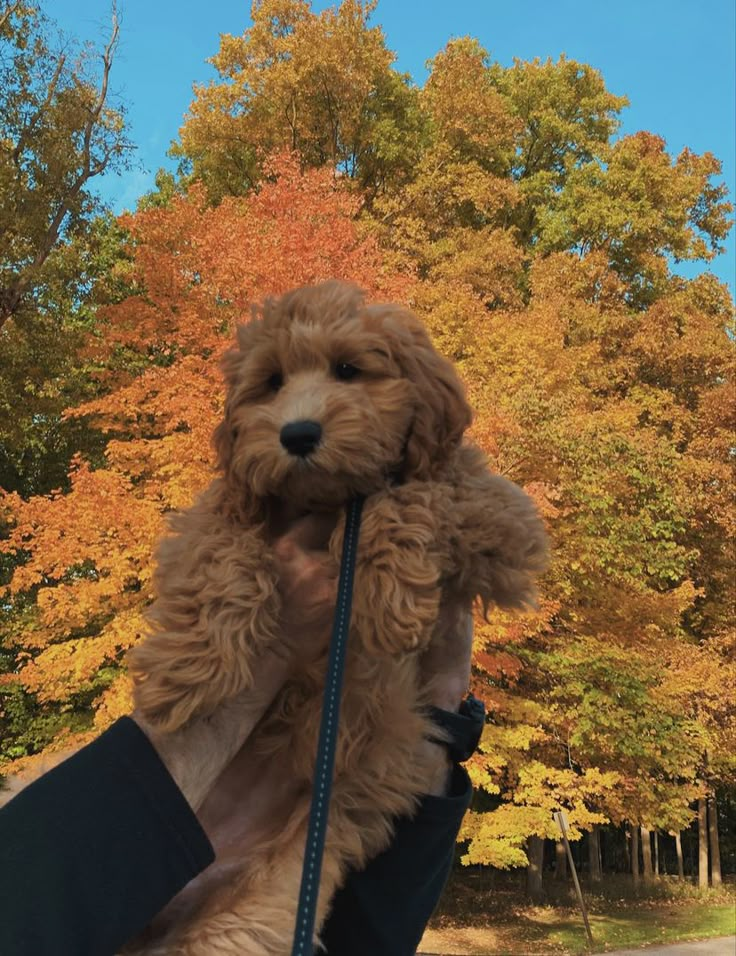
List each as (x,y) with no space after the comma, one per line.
(327,397)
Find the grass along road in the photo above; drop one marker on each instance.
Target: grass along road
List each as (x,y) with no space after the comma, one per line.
(517,929)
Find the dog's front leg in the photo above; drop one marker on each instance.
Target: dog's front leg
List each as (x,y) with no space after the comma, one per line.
(396,594)
(499,545)
(216,611)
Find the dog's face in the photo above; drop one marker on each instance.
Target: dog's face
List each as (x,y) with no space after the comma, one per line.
(328,397)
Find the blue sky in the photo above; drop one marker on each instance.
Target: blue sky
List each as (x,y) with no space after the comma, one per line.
(674,59)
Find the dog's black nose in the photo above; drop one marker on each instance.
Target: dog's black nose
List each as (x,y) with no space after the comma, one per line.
(301,438)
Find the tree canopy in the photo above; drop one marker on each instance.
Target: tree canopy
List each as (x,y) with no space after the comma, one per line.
(539,246)
(59,131)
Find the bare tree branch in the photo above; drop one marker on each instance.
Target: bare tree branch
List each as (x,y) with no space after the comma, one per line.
(7,14)
(11,296)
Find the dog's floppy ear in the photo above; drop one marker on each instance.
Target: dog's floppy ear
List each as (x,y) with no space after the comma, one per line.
(441,411)
(223,440)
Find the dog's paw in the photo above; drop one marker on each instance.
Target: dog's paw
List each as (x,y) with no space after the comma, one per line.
(396,592)
(392,616)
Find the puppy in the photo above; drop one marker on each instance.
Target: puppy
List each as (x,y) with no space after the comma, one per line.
(327,397)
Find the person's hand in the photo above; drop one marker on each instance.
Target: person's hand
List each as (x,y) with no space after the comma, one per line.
(445,675)
(196,754)
(445,665)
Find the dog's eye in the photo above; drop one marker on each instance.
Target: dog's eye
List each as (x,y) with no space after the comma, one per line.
(344,371)
(275,381)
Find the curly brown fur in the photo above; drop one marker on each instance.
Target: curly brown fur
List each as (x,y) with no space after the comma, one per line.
(437,527)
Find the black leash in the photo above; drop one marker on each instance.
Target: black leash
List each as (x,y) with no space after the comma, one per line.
(327,739)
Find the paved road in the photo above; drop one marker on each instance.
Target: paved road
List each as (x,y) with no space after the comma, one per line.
(722,946)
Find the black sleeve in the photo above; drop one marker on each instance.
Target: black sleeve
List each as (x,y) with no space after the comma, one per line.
(385,907)
(91,851)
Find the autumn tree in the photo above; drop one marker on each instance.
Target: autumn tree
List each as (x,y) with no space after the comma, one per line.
(640,206)
(319,84)
(573,404)
(466,178)
(566,117)
(59,131)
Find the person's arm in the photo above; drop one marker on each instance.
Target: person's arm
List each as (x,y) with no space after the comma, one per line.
(385,907)
(91,851)
(94,849)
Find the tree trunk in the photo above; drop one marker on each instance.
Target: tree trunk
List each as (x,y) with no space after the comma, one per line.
(646,854)
(535,853)
(635,853)
(594,854)
(678,850)
(560,861)
(702,844)
(656,853)
(715,848)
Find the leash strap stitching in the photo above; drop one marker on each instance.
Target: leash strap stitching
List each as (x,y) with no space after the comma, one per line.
(326,747)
